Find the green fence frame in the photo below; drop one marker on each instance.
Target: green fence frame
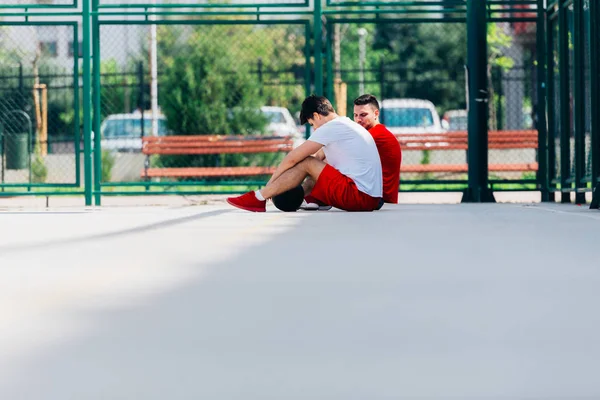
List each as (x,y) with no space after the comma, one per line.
(317,19)
(578,184)
(176,188)
(51,188)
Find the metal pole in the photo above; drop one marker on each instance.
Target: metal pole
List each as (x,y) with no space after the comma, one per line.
(362,55)
(595,102)
(329,66)
(542,62)
(318,50)
(76,106)
(259,71)
(381,88)
(565,103)
(21,87)
(141,89)
(307,79)
(552,27)
(154,74)
(87,104)
(579,102)
(96,103)
(478,189)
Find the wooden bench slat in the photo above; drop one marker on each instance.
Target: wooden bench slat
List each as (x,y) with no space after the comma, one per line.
(457,168)
(231,144)
(208,172)
(152,147)
(224,143)
(497,146)
(212,138)
(216,150)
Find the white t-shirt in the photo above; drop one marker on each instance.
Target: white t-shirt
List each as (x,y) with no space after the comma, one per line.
(350,149)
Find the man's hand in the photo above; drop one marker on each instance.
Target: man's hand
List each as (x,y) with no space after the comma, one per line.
(320,155)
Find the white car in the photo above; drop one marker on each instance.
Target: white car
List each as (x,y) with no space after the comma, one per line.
(455,120)
(123,132)
(410,116)
(281,122)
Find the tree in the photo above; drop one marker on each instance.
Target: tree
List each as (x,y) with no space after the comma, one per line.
(498,41)
(424,60)
(206,90)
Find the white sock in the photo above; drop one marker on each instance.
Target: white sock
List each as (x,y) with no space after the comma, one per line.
(259,195)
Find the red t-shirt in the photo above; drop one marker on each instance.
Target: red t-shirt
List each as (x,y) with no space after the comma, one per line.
(391,157)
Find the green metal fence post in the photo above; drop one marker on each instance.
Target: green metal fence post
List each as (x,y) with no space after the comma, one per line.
(551,104)
(318,49)
(579,102)
(565,117)
(76,105)
(96,103)
(307,79)
(329,66)
(595,101)
(87,103)
(542,62)
(478,190)
(381,88)
(259,71)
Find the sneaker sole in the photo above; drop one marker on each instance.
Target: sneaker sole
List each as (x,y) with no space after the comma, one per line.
(320,208)
(251,209)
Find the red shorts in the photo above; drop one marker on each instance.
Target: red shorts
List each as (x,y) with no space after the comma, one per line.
(338,190)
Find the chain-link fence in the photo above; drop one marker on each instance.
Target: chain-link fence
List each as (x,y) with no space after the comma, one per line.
(554,105)
(513,102)
(39,128)
(227,74)
(573,82)
(217,85)
(588,93)
(417,72)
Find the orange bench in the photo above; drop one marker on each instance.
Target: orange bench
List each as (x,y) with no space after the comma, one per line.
(214,144)
(497,140)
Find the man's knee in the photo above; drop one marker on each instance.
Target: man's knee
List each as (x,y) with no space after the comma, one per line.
(312,166)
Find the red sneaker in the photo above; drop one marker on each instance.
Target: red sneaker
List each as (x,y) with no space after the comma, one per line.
(248,202)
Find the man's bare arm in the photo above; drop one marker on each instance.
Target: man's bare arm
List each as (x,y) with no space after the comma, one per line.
(298,154)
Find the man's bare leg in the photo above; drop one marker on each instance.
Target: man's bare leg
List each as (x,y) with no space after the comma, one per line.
(308,185)
(294,176)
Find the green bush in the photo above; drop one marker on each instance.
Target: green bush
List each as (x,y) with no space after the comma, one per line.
(39,171)
(108,162)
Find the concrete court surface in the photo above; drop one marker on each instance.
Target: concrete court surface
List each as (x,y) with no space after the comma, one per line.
(442,301)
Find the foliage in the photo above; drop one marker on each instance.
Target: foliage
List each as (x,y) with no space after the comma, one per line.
(498,41)
(428,59)
(39,171)
(108,162)
(206,88)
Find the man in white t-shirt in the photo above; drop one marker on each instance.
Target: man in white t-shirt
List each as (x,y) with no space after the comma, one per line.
(351,179)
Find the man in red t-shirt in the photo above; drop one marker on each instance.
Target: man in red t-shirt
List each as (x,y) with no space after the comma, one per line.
(366,114)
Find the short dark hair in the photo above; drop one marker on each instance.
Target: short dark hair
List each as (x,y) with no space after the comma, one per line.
(315,104)
(367,99)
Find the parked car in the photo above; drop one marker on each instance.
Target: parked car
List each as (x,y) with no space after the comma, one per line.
(281,122)
(411,116)
(123,132)
(455,120)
